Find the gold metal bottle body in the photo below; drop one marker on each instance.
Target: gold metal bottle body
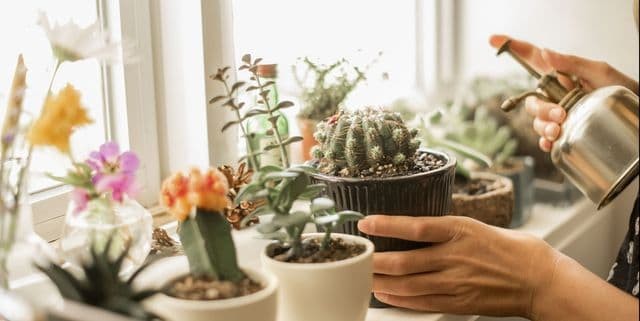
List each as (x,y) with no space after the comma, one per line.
(598,145)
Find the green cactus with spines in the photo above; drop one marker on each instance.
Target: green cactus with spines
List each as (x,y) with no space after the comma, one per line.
(358,140)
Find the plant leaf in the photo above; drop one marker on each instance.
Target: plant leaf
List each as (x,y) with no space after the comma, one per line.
(322,204)
(283,104)
(312,191)
(246,58)
(291,140)
(229,124)
(217,99)
(280,175)
(237,85)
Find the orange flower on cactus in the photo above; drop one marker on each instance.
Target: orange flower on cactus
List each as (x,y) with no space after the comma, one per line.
(61,114)
(208,191)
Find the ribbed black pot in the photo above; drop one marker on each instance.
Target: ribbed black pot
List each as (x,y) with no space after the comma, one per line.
(422,194)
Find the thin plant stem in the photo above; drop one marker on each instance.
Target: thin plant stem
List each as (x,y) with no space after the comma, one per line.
(274,126)
(253,162)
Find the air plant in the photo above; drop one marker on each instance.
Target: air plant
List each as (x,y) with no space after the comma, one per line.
(278,187)
(101,285)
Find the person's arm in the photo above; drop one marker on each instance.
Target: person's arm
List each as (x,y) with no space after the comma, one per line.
(474,268)
(592,74)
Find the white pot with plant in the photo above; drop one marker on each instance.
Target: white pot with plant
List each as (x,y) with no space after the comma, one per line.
(208,284)
(323,276)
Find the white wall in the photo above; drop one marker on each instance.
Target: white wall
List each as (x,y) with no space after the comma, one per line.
(599,29)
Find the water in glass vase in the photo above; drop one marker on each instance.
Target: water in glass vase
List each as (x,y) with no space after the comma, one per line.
(126,224)
(261,127)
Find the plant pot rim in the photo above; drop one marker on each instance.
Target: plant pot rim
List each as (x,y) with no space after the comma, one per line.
(269,281)
(507,186)
(369,249)
(451,162)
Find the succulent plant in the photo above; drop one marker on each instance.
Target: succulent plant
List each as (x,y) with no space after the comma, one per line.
(323,97)
(237,179)
(351,142)
(198,201)
(101,285)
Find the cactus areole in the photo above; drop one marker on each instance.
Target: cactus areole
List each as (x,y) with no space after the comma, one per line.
(369,142)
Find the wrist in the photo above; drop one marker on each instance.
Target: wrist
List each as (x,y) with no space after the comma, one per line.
(548,290)
(542,278)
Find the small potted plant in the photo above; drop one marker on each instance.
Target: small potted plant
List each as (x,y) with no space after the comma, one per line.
(208,284)
(482,133)
(321,97)
(99,284)
(337,268)
(482,195)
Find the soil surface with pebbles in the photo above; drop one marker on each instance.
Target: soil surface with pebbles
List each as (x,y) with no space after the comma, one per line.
(204,288)
(422,162)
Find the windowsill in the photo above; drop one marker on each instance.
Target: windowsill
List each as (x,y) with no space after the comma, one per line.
(553,224)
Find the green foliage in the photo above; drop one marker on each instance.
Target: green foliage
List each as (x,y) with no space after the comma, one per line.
(101,285)
(472,135)
(353,141)
(280,188)
(207,242)
(263,107)
(330,87)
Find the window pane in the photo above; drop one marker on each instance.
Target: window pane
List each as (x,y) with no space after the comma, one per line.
(282,31)
(20,34)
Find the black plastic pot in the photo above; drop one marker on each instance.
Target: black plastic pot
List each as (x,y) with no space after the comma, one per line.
(422,194)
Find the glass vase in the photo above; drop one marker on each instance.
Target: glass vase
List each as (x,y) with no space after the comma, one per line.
(127,225)
(20,247)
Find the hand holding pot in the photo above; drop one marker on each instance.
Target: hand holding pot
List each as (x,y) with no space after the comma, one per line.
(474,268)
(592,75)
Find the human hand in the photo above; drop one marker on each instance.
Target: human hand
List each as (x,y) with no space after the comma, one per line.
(471,268)
(591,74)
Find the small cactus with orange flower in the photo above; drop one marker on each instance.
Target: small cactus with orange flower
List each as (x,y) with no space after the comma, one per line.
(197,200)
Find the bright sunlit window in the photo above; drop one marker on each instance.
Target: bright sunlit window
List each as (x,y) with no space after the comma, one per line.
(282,31)
(21,34)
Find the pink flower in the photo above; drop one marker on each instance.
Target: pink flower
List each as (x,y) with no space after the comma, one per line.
(80,199)
(114,172)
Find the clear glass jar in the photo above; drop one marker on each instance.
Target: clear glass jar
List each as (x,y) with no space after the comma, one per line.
(128,223)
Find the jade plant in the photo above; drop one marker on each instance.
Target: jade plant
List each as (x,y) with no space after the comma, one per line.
(277,188)
(198,201)
(354,143)
(101,285)
(330,87)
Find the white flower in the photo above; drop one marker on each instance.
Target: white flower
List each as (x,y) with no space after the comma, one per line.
(69,42)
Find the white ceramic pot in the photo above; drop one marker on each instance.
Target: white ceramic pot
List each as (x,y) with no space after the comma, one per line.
(259,306)
(335,291)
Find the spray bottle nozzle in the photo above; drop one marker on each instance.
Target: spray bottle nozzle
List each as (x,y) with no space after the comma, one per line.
(506,47)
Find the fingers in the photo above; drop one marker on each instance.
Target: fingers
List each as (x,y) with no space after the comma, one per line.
(419,229)
(427,259)
(545,110)
(413,285)
(524,50)
(545,144)
(427,303)
(546,129)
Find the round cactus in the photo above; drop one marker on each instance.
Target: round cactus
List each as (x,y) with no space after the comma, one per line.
(351,142)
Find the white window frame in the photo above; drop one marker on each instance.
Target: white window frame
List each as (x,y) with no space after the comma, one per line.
(129,103)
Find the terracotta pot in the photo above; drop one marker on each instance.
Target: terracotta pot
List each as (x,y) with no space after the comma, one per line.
(494,207)
(336,291)
(307,128)
(261,305)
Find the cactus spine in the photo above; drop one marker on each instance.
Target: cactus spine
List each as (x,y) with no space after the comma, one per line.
(351,142)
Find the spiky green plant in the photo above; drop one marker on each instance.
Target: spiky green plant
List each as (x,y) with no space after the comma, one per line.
(279,187)
(324,95)
(353,141)
(101,285)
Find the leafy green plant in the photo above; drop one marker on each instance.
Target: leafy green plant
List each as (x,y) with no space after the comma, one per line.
(330,87)
(230,100)
(101,285)
(352,141)
(277,188)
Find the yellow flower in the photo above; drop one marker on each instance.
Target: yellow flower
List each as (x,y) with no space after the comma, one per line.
(61,114)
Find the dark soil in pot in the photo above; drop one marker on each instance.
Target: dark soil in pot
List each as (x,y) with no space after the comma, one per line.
(425,191)
(486,197)
(337,250)
(190,287)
